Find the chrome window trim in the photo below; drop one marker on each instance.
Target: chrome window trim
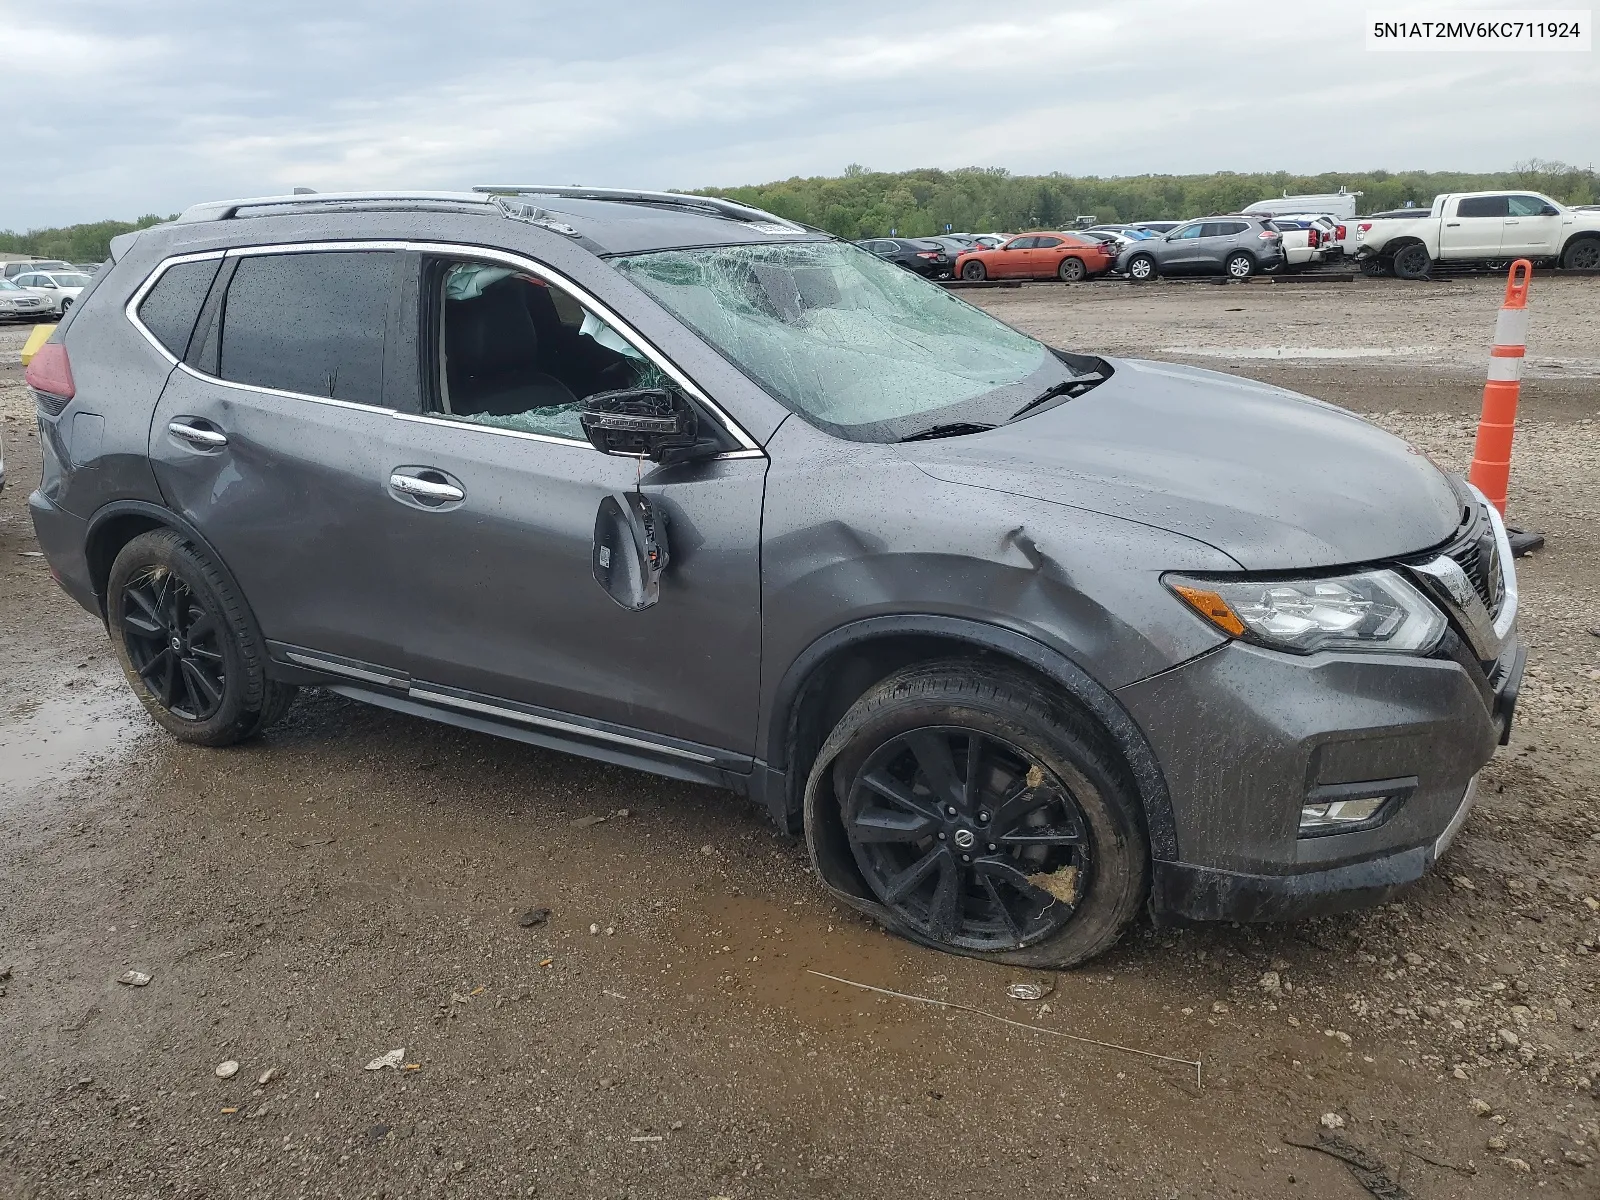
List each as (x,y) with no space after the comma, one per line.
(748,446)
(429,696)
(356,405)
(131,309)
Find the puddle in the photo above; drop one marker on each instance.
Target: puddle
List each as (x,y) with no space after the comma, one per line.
(1303,351)
(66,732)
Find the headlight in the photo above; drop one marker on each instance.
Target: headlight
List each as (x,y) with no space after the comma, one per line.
(1375,610)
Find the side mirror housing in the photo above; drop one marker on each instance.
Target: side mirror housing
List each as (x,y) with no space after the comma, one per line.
(653,423)
(630,550)
(1549,210)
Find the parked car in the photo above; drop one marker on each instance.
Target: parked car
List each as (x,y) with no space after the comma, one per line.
(11,270)
(923,255)
(1064,256)
(1235,246)
(58,289)
(19,304)
(1025,641)
(1157,226)
(954,244)
(990,240)
(1480,228)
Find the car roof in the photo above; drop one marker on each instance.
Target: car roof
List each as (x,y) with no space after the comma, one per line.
(604,220)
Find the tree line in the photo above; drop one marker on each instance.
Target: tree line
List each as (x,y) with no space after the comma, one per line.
(89,243)
(862,203)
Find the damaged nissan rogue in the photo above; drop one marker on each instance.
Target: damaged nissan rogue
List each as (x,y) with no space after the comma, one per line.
(1022,640)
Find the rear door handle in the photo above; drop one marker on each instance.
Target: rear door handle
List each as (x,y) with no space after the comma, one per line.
(197,435)
(436,491)
(1453,224)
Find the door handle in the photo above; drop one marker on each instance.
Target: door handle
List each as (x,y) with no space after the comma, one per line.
(197,436)
(1453,224)
(425,489)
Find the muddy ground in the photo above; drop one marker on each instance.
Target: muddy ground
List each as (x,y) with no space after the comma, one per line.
(353,883)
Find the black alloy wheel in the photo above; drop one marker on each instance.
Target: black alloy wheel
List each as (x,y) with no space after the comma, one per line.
(1412,262)
(1582,255)
(1072,270)
(174,645)
(188,643)
(970,840)
(973,270)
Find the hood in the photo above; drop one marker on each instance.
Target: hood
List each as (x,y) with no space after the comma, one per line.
(1275,480)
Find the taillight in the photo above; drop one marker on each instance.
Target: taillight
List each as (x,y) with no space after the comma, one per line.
(1363,227)
(1268,235)
(1315,239)
(926,254)
(51,372)
(1339,233)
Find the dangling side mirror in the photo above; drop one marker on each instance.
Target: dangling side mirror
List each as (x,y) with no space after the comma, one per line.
(653,423)
(630,550)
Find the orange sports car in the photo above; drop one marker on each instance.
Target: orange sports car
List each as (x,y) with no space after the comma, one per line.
(1064,256)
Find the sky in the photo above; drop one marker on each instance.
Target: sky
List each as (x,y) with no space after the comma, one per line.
(153,106)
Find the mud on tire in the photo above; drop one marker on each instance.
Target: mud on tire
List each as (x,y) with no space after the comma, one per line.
(1027,893)
(188,644)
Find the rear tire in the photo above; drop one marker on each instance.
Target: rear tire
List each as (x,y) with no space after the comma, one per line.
(1038,859)
(1240,265)
(1141,268)
(1072,270)
(1582,254)
(974,271)
(1412,262)
(188,644)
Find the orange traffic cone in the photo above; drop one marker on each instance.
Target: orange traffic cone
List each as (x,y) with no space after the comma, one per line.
(1491,454)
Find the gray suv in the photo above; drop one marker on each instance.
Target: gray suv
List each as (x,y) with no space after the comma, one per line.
(1234,246)
(1021,640)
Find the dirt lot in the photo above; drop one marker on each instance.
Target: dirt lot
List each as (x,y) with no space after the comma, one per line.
(352,884)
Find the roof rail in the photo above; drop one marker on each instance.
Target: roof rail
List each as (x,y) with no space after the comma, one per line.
(223,210)
(712,204)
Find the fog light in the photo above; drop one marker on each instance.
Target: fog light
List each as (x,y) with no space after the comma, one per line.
(1339,812)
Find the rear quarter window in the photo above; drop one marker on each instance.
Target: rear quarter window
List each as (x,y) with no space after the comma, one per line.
(169,309)
(312,323)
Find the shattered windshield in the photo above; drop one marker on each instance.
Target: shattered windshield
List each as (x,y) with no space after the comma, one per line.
(856,345)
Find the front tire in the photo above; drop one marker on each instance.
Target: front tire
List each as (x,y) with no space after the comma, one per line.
(188,644)
(974,271)
(989,817)
(1072,270)
(1141,268)
(1240,265)
(1581,255)
(1412,262)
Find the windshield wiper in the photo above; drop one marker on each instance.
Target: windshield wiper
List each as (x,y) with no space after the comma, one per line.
(952,429)
(1070,387)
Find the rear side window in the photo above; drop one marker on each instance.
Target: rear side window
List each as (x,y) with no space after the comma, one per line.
(1482,206)
(170,308)
(309,323)
(1045,242)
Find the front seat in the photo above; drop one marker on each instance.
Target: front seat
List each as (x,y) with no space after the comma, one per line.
(491,349)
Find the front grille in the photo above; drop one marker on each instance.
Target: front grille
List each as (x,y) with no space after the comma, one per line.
(1477,552)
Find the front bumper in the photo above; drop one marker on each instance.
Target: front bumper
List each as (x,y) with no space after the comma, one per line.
(1244,734)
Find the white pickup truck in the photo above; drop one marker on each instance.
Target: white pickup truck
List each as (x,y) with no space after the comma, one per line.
(1488,228)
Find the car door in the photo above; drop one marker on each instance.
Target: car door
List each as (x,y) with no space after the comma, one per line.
(1014,258)
(1475,228)
(272,439)
(1180,251)
(504,611)
(42,287)
(1044,256)
(1532,227)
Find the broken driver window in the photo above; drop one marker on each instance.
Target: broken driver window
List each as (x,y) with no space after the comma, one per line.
(515,352)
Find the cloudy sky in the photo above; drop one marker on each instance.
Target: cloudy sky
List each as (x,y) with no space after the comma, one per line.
(149,107)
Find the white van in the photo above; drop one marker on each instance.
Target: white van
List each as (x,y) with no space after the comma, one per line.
(1340,205)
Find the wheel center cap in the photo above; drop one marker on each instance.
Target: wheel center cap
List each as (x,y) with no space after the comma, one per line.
(177,644)
(964,838)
